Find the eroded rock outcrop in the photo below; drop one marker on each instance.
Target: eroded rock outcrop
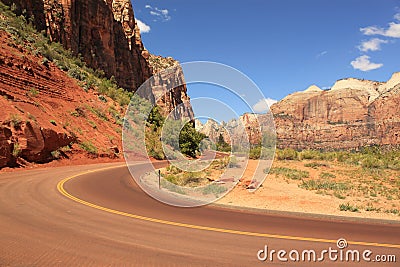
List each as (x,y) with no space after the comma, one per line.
(247,129)
(45,115)
(6,146)
(106,35)
(352,114)
(167,73)
(103,32)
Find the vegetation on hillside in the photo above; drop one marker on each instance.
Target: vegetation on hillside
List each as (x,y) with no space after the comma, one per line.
(187,140)
(104,114)
(222,145)
(24,34)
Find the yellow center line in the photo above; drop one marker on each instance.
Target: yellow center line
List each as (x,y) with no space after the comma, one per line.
(61,189)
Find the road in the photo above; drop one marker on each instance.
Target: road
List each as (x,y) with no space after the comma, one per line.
(111,222)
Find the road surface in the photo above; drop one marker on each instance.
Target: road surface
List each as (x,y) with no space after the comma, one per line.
(108,221)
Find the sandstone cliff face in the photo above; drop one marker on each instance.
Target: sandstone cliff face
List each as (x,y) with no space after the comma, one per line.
(103,32)
(175,101)
(352,114)
(44,111)
(213,129)
(247,129)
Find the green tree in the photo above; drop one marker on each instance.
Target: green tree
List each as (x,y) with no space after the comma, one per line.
(155,118)
(222,145)
(189,140)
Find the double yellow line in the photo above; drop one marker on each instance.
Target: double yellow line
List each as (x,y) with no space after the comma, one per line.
(61,189)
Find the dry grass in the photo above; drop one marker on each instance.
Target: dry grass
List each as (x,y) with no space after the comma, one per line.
(365,182)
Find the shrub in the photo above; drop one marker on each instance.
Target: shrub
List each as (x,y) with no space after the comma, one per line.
(172,187)
(327,175)
(348,207)
(309,154)
(16,150)
(371,162)
(222,145)
(89,147)
(116,115)
(65,149)
(102,99)
(315,165)
(289,173)
(287,154)
(33,92)
(15,120)
(214,189)
(98,112)
(56,154)
(78,112)
(324,185)
(255,152)
(53,122)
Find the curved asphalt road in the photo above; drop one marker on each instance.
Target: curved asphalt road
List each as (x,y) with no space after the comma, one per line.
(41,227)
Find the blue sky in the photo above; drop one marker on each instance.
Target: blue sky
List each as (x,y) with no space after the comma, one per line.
(283,46)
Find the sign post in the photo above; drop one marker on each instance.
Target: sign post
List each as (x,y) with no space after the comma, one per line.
(159,179)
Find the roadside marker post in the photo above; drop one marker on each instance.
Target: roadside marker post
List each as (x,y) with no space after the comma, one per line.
(159,179)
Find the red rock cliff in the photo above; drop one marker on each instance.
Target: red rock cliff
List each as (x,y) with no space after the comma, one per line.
(352,114)
(102,32)
(168,72)
(105,34)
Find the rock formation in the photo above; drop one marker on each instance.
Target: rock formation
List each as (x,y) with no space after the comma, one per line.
(104,33)
(213,129)
(168,72)
(352,114)
(39,115)
(247,129)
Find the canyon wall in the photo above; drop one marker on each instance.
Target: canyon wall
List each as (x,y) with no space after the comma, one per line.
(104,33)
(169,74)
(352,114)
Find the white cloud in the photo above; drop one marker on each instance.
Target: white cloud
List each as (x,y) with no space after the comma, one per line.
(372,45)
(362,63)
(143,27)
(397,16)
(392,31)
(372,30)
(160,14)
(264,104)
(323,53)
